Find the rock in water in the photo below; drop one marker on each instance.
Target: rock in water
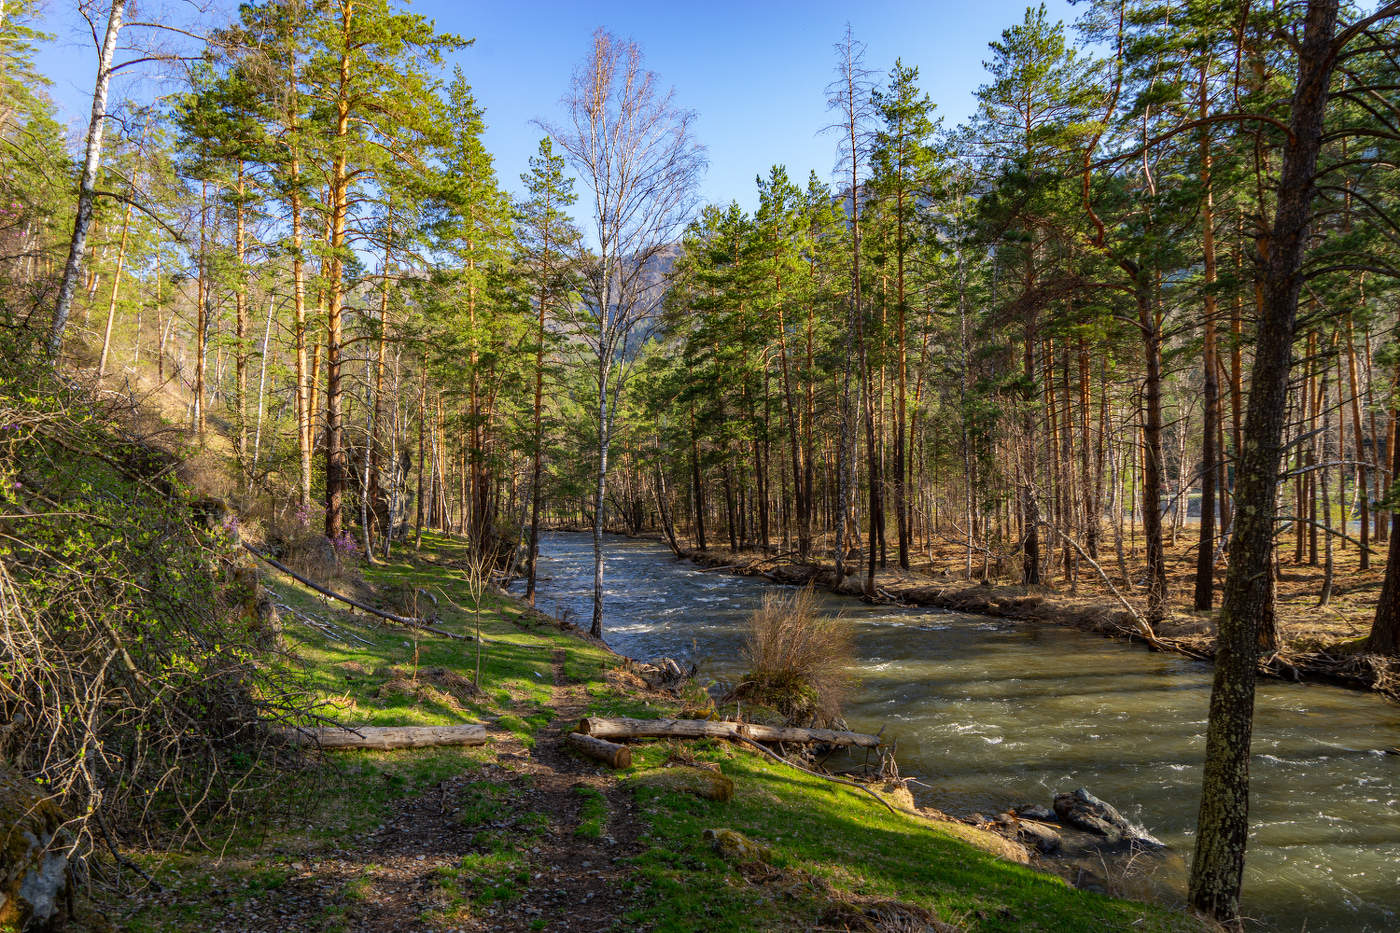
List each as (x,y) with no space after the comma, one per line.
(1029,811)
(33,856)
(1087,812)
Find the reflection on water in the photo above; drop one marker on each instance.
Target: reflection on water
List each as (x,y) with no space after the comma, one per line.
(990,713)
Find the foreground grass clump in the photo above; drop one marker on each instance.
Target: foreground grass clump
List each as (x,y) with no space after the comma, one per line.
(799,658)
(836,859)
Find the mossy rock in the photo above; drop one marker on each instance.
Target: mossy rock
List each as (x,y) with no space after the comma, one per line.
(33,856)
(701,782)
(735,847)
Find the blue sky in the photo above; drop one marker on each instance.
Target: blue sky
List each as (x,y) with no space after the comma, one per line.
(754,72)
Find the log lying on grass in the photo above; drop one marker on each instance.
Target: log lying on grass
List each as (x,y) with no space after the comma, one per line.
(610,753)
(701,729)
(363,607)
(387,737)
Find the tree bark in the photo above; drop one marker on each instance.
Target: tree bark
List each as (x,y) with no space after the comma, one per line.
(338,197)
(116,283)
(1223,824)
(385,738)
(92,159)
(1210,390)
(622,728)
(1385,628)
(610,753)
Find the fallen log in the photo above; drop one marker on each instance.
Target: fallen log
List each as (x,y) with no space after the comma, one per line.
(705,729)
(610,753)
(386,737)
(364,607)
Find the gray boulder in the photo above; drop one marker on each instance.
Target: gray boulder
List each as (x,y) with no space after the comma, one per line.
(1083,810)
(34,850)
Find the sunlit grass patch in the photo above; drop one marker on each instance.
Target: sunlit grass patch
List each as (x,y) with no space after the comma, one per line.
(498,875)
(593,812)
(831,850)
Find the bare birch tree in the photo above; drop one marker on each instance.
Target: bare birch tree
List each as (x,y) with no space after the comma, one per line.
(632,148)
(849,94)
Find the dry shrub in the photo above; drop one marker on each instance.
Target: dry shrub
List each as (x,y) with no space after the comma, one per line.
(877,915)
(311,555)
(799,658)
(436,685)
(409,600)
(135,685)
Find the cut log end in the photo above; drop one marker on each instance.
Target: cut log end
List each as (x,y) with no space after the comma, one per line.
(610,753)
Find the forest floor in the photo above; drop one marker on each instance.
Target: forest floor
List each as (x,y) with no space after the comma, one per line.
(520,834)
(1323,642)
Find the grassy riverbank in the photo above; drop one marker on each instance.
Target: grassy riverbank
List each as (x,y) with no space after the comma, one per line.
(519,834)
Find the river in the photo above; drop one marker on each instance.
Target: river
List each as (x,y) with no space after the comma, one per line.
(990,713)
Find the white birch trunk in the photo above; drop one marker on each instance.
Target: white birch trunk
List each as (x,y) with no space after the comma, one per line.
(91,160)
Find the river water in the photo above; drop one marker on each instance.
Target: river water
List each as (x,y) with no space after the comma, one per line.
(990,713)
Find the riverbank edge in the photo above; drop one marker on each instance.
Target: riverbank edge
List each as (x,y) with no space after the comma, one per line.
(260,880)
(1189,635)
(995,839)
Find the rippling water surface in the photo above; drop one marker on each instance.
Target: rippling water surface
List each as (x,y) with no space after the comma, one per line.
(990,713)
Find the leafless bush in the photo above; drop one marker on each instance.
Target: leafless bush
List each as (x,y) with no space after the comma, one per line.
(799,658)
(135,685)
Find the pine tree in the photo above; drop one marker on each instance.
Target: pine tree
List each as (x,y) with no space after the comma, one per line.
(372,67)
(547,238)
(906,176)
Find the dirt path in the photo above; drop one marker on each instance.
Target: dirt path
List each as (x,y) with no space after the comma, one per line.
(497,848)
(578,882)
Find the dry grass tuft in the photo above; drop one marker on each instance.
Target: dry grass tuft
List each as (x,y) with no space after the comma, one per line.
(799,658)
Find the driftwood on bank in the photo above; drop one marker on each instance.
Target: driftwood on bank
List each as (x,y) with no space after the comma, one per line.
(386,737)
(401,620)
(701,728)
(610,753)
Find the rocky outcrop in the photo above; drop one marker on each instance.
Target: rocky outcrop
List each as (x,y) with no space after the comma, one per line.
(34,856)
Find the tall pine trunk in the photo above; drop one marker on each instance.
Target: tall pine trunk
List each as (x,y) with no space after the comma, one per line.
(1210,390)
(1223,824)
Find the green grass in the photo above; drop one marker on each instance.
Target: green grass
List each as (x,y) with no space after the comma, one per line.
(356,682)
(524,728)
(818,830)
(356,791)
(828,843)
(593,813)
(484,878)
